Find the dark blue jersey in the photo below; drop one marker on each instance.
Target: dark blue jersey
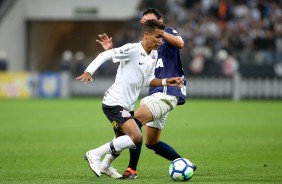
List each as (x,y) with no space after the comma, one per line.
(169,65)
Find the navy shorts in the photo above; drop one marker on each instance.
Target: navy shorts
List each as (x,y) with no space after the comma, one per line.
(117,115)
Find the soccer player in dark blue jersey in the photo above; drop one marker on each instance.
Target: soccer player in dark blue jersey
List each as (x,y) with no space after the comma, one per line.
(154,108)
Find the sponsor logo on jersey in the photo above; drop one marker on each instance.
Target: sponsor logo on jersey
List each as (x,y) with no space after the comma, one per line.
(114,123)
(124,51)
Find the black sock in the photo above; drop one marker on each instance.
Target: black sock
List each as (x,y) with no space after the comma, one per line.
(134,156)
(164,150)
(135,153)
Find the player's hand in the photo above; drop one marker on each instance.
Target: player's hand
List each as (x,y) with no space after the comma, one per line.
(105,41)
(175,81)
(85,77)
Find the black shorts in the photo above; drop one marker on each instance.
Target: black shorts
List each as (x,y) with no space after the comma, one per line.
(117,115)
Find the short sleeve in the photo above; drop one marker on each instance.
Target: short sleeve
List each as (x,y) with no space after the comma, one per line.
(171,31)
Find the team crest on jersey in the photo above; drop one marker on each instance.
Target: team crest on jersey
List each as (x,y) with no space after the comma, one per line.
(114,123)
(125,113)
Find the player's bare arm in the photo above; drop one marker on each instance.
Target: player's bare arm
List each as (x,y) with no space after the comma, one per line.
(176,41)
(173,81)
(105,41)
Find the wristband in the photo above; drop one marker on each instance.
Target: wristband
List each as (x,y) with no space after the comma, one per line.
(164,82)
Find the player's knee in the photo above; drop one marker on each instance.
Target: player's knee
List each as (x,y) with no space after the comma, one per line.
(136,138)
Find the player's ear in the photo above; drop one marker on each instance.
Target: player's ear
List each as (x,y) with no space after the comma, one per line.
(161,20)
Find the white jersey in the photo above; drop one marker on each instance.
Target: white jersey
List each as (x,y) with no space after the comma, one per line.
(136,69)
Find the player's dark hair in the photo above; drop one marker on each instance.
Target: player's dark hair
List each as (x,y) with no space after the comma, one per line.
(152,24)
(153,11)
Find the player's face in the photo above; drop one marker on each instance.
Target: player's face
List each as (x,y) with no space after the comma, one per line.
(146,17)
(154,40)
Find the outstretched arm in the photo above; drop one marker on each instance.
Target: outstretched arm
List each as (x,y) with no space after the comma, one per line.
(94,65)
(105,41)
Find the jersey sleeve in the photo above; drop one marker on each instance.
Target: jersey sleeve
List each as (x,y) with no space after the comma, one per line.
(121,53)
(171,31)
(98,61)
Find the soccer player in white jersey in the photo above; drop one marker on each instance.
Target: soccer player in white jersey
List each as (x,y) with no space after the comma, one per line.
(136,69)
(154,108)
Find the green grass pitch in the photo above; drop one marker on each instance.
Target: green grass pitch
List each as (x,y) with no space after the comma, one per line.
(43,141)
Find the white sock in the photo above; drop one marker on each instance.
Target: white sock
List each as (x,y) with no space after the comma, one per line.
(123,142)
(107,161)
(119,144)
(100,151)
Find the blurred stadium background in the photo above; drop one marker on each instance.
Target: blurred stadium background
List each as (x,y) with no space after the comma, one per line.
(233,47)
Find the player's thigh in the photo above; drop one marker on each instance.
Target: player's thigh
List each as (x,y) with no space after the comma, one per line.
(152,135)
(159,104)
(158,123)
(143,114)
(118,116)
(131,129)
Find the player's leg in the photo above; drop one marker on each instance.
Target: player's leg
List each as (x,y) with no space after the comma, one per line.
(153,134)
(122,122)
(142,115)
(131,171)
(114,147)
(135,152)
(159,105)
(148,110)
(132,136)
(161,148)
(106,167)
